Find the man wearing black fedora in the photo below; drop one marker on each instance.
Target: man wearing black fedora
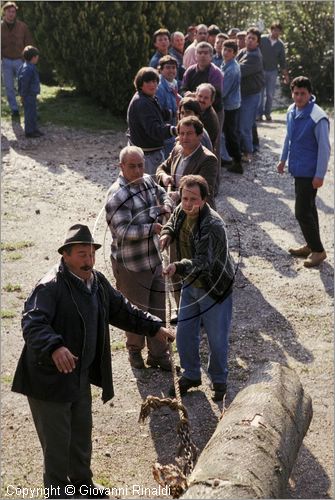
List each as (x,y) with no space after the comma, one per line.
(67,347)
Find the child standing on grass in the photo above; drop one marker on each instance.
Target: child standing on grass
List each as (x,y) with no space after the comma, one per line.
(29,88)
(307,150)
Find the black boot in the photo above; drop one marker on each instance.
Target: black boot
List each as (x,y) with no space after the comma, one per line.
(236,168)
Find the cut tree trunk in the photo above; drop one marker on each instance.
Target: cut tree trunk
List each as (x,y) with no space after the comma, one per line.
(254,447)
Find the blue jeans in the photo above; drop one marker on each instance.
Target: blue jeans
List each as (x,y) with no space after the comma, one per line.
(10,68)
(268,91)
(197,305)
(248,113)
(169,144)
(152,161)
(30,114)
(224,153)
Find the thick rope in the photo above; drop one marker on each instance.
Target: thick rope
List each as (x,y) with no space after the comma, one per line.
(168,308)
(168,290)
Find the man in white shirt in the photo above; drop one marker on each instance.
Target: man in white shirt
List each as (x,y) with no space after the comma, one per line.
(201,35)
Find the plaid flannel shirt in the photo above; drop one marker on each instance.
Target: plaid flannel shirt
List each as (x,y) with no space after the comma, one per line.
(131,211)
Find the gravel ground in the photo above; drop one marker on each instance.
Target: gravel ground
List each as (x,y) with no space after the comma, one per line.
(282,311)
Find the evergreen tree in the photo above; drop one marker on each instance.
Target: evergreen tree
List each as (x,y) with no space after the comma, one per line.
(99,46)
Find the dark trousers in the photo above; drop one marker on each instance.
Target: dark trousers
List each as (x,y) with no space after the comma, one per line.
(145,290)
(30,114)
(255,138)
(217,149)
(65,434)
(230,130)
(306,212)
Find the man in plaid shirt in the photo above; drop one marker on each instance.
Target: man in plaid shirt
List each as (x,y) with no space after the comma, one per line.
(133,209)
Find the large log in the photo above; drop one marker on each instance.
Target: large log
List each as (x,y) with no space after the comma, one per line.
(254,447)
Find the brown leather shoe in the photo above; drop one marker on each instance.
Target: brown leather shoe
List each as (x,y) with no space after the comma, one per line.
(163,363)
(136,360)
(315,259)
(300,252)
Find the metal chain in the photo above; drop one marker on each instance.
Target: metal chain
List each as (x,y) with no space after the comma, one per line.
(183,428)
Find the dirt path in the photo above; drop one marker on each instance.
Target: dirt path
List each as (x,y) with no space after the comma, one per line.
(282,311)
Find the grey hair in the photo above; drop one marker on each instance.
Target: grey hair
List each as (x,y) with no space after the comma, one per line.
(128,150)
(201,26)
(204,45)
(176,33)
(206,86)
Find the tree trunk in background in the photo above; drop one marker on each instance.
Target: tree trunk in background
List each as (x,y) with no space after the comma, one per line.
(252,452)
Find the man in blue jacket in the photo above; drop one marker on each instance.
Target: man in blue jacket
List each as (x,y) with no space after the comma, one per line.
(67,347)
(307,150)
(161,40)
(231,103)
(167,95)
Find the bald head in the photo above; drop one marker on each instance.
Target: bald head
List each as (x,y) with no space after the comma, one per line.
(130,150)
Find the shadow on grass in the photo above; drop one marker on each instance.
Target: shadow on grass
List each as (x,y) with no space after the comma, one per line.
(65,106)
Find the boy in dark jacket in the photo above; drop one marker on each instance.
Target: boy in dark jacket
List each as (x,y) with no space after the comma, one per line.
(29,88)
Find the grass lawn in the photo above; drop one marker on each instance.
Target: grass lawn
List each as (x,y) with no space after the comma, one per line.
(64,106)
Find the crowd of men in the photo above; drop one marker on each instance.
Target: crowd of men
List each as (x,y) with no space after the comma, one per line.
(195,108)
(233,77)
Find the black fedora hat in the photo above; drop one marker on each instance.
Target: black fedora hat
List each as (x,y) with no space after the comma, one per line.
(78,234)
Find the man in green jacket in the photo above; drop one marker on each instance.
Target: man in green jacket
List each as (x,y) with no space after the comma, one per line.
(207,270)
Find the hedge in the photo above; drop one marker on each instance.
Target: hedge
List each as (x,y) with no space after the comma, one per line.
(98,46)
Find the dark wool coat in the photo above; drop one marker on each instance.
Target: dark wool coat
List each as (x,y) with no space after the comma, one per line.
(52,318)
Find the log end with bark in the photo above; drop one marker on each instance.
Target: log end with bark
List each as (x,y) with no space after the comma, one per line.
(253,449)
